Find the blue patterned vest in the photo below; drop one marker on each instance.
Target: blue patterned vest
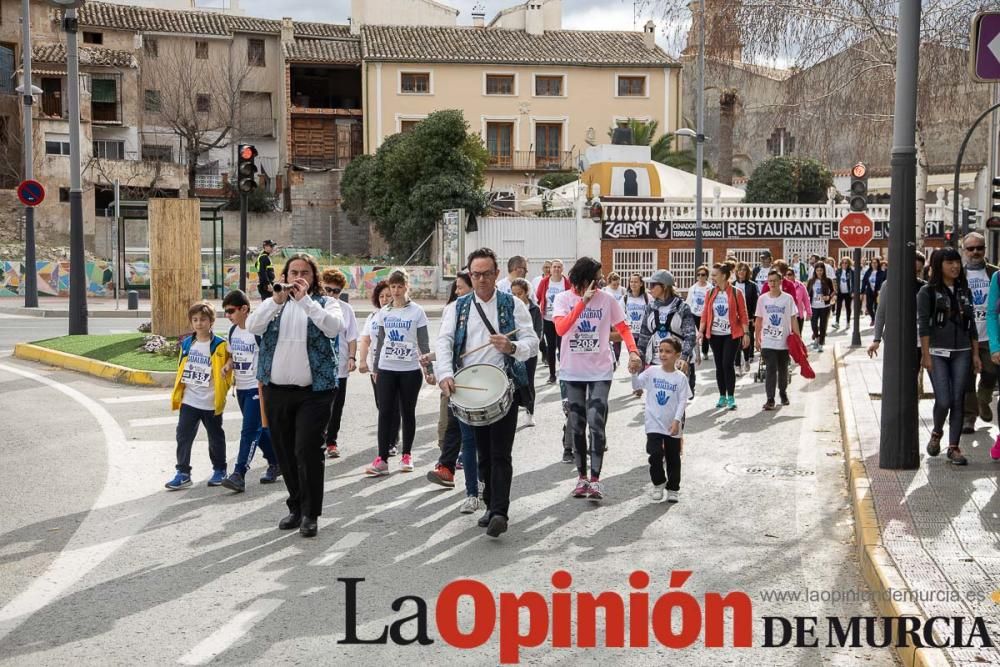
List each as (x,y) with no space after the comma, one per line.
(320,348)
(516,370)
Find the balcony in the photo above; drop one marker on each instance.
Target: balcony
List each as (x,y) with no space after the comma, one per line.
(530,161)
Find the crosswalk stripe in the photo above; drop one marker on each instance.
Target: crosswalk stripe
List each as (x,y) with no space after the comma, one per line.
(339,548)
(166,421)
(240,624)
(136,398)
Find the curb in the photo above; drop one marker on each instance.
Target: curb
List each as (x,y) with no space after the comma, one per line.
(100,369)
(877,566)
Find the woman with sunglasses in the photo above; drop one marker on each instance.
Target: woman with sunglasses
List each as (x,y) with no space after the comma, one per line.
(366,351)
(746,284)
(634,302)
(871,285)
(696,302)
(334,282)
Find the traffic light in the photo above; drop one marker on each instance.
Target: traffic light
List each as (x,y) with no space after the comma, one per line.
(859,188)
(247,169)
(995,195)
(968,219)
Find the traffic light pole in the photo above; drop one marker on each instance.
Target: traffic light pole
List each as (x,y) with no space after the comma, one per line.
(956,205)
(898,447)
(243,241)
(856,336)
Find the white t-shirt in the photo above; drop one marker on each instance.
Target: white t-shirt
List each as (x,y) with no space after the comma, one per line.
(776,315)
(586,355)
(197,377)
(872,279)
(635,307)
(721,325)
(817,296)
(616,293)
(666,398)
(243,347)
(399,349)
(979,285)
(844,287)
(370,329)
(349,334)
(761,278)
(555,287)
(504,285)
(696,298)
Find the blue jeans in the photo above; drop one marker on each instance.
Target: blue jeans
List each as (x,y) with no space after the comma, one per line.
(253,434)
(949,375)
(187,428)
(469,460)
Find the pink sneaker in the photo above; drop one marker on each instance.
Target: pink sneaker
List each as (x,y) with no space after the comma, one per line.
(377,468)
(406,465)
(582,489)
(995,450)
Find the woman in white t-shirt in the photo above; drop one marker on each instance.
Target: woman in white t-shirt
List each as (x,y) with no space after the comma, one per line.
(634,302)
(334,282)
(697,294)
(615,289)
(366,350)
(583,317)
(402,338)
(548,288)
(821,295)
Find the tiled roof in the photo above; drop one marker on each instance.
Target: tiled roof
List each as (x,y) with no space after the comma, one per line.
(324,51)
(93,56)
(479,45)
(306,29)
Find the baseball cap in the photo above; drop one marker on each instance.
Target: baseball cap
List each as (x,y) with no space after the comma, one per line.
(766,253)
(268,242)
(662,277)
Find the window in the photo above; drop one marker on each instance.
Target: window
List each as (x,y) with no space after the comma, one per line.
(154,153)
(500,144)
(749,255)
(255,52)
(806,247)
(407,125)
(499,84)
(52,101)
(549,86)
(63,195)
(418,83)
(201,50)
(109,150)
(152,101)
(866,255)
(203,103)
(56,145)
(631,86)
(681,265)
(627,262)
(104,100)
(93,38)
(548,143)
(150,46)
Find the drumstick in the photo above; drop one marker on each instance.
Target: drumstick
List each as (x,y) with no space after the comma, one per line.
(465,386)
(483,347)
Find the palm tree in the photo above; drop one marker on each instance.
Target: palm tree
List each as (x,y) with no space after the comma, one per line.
(643,134)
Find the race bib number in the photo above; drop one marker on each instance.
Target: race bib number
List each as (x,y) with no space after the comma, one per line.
(243,364)
(980,315)
(585,342)
(196,375)
(938,352)
(398,350)
(635,323)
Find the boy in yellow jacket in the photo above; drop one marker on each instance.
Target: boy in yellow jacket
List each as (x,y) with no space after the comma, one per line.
(204,375)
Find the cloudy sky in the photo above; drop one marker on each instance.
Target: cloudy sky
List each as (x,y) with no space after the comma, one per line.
(577,14)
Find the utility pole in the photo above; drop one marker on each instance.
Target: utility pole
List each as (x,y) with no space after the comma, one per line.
(77,258)
(699,150)
(27,95)
(899,448)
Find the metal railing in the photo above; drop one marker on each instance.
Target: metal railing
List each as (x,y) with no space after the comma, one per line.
(532,161)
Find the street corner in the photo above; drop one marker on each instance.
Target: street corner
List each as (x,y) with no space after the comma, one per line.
(93,367)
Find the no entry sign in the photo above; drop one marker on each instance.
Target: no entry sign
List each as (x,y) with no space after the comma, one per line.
(31,193)
(856,230)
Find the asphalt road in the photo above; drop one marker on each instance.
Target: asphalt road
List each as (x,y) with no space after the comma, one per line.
(100,565)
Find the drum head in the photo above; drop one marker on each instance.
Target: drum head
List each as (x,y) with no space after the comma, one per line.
(489,384)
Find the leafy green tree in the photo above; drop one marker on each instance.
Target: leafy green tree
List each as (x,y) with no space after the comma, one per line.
(414,177)
(557,179)
(789,180)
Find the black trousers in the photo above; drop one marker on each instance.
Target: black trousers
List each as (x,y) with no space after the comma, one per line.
(528,392)
(494,444)
(841,300)
(724,350)
(704,341)
(746,354)
(870,302)
(664,449)
(452,444)
(775,372)
(296,416)
(397,395)
(336,412)
(819,321)
(552,344)
(395,414)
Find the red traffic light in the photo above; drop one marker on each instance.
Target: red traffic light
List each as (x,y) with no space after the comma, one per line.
(248,152)
(859,170)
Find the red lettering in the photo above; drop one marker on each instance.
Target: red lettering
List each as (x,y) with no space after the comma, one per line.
(562,611)
(511,639)
(586,619)
(446,613)
(715,619)
(638,611)
(690,614)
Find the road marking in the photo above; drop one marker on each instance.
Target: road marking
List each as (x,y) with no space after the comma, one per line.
(168,421)
(339,548)
(240,624)
(137,398)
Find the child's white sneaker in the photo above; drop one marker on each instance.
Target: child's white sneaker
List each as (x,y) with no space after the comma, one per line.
(672,496)
(656,493)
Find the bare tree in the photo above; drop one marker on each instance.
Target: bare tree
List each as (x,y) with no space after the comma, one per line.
(138,179)
(11,156)
(199,100)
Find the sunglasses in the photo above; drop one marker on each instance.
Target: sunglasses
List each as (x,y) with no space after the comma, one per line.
(333,290)
(703,275)
(230,311)
(975,248)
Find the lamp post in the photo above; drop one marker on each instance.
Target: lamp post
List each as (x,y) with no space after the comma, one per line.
(28,92)
(699,142)
(77,266)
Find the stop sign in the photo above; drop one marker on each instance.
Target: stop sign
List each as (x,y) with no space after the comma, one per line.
(856,230)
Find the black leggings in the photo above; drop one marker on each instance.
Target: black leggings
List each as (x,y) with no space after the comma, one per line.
(871,301)
(395,413)
(704,341)
(724,350)
(397,394)
(528,392)
(552,343)
(336,412)
(745,354)
(820,319)
(841,300)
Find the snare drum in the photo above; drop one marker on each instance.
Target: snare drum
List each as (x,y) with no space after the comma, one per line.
(488,399)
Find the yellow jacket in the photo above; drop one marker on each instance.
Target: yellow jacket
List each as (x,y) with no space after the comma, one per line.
(221,381)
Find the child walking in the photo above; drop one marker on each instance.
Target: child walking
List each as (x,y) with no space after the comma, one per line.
(666,399)
(245,347)
(204,374)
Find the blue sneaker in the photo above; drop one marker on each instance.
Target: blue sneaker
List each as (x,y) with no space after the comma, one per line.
(180,481)
(218,476)
(271,475)
(722,402)
(732,402)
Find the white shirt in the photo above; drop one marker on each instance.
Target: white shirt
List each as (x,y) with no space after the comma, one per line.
(290,365)
(243,347)
(696,298)
(666,398)
(979,285)
(400,351)
(618,294)
(371,331)
(776,315)
(197,377)
(504,285)
(477,335)
(347,336)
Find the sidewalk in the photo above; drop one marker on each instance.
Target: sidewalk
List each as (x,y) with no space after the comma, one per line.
(56,306)
(935,531)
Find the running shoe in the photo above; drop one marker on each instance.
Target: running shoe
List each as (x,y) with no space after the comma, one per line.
(673,496)
(440,475)
(722,402)
(934,444)
(769,406)
(567,457)
(458,464)
(218,476)
(637,393)
(378,467)
(955,457)
(582,488)
(596,489)
(969,425)
(235,482)
(836,325)
(552,380)
(739,370)
(180,481)
(529,420)
(656,493)
(995,450)
(271,475)
(393,451)
(406,464)
(469,506)
(819,348)
(746,366)
(985,411)
(331,451)
(784,399)
(731,401)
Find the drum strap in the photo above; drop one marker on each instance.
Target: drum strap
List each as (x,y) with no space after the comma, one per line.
(515,370)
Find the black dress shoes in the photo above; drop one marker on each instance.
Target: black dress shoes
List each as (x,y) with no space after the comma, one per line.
(290,522)
(484,520)
(497,525)
(309,527)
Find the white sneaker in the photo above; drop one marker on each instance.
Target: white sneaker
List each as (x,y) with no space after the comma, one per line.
(529,420)
(656,493)
(672,496)
(470,505)
(746,366)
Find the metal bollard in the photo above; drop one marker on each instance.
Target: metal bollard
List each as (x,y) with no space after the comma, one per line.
(133,300)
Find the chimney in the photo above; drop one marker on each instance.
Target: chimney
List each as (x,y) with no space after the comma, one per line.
(479,16)
(534,20)
(287,30)
(649,35)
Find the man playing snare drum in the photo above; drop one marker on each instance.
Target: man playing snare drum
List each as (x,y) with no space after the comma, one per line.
(488,327)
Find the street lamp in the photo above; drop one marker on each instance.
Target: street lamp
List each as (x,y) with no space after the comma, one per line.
(77,267)
(699,142)
(31,272)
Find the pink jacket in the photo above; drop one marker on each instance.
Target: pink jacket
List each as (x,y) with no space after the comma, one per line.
(800,295)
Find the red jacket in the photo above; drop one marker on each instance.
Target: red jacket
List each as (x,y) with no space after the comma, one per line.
(543,289)
(797,350)
(739,321)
